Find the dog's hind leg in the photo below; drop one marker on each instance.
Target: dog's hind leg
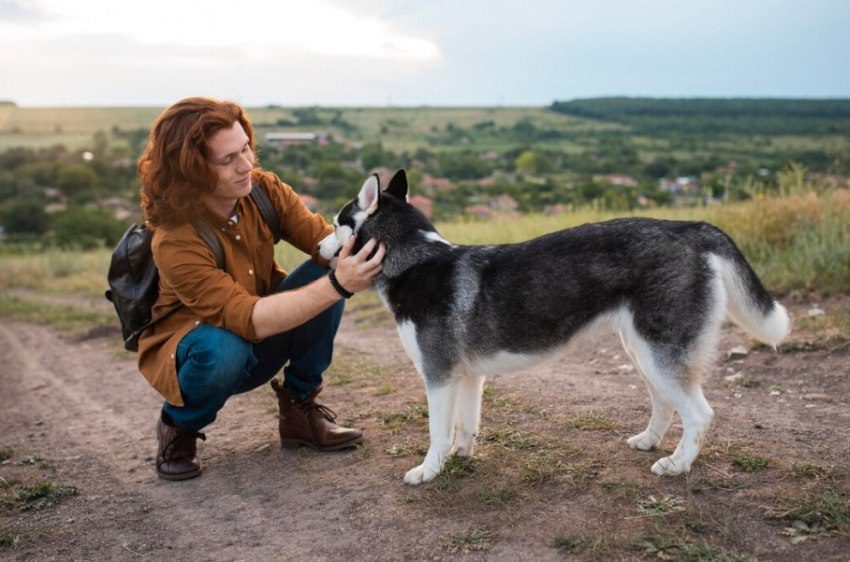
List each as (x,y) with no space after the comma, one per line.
(696,417)
(470,389)
(441,422)
(659,422)
(662,411)
(673,385)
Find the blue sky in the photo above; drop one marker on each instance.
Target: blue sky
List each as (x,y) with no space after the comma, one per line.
(377,52)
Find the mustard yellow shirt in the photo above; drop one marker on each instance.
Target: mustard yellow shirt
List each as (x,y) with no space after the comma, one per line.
(224,298)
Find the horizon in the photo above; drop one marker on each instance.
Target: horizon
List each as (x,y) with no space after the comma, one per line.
(13,103)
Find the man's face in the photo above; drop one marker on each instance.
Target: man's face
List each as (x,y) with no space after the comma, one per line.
(232,159)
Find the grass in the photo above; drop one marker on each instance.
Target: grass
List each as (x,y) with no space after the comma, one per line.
(412,414)
(5,453)
(592,421)
(464,542)
(34,497)
(750,463)
(817,514)
(9,539)
(571,544)
(664,505)
(678,550)
(64,316)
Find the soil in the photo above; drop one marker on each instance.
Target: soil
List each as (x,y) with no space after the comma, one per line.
(74,409)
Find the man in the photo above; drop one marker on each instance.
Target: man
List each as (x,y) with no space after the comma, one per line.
(239,325)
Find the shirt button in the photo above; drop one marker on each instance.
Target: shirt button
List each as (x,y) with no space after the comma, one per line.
(222,229)
(250,272)
(238,237)
(231,223)
(197,322)
(172,356)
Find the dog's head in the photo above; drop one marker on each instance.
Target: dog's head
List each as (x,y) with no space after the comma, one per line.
(360,210)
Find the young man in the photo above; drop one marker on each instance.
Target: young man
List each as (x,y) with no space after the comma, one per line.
(238,325)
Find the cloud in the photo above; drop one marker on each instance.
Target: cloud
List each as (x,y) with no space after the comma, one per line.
(19,11)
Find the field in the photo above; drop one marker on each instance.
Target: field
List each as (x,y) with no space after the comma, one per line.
(552,477)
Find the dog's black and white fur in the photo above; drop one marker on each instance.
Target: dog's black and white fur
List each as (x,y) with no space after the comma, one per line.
(464,312)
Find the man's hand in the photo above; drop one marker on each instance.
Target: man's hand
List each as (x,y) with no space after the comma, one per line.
(355,272)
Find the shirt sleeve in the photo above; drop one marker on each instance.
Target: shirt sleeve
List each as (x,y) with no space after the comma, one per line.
(302,228)
(188,266)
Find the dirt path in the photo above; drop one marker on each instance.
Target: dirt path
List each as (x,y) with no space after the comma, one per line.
(552,462)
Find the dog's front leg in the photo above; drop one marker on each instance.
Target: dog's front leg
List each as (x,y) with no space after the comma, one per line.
(441,414)
(470,389)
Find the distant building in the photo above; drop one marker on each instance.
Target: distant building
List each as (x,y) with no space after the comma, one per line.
(683,184)
(480,211)
(621,180)
(424,204)
(504,202)
(432,184)
(296,138)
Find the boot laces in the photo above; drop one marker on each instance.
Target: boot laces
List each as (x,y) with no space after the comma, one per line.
(185,443)
(311,407)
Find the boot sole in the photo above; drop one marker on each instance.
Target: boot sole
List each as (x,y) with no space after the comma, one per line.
(178,477)
(297,443)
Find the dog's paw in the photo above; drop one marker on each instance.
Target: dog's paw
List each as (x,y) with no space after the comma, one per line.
(670,466)
(420,474)
(644,441)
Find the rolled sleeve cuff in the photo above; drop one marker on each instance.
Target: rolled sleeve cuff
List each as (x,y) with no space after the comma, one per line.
(237,316)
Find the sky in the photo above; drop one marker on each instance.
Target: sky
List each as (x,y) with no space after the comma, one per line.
(417,52)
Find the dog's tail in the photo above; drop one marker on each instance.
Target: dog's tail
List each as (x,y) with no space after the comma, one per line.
(749,305)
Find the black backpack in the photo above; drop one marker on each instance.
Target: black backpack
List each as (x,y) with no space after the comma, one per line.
(134,280)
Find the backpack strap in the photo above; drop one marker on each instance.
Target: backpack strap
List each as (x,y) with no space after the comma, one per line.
(267,210)
(206,233)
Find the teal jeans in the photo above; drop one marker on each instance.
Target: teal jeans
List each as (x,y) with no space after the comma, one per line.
(213,364)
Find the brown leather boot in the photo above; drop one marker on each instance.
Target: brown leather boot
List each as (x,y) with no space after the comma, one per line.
(309,423)
(175,457)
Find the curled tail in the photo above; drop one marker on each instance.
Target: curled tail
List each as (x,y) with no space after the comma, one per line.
(749,305)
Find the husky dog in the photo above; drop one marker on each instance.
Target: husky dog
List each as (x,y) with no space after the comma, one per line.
(464,312)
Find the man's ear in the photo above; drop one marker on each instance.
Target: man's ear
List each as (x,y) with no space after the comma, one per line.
(398,185)
(367,199)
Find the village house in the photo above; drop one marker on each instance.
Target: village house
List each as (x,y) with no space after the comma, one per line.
(278,139)
(620,180)
(424,204)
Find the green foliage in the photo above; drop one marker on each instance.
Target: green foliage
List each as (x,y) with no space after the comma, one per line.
(701,116)
(83,228)
(25,217)
(76,179)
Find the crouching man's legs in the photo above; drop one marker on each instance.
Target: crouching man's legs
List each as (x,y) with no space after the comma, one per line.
(211,364)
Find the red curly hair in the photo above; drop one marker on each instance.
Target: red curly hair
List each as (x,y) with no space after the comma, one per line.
(174,166)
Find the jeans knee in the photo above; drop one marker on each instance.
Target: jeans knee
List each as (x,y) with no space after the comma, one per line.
(216,361)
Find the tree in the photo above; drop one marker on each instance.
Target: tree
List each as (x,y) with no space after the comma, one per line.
(76,180)
(25,217)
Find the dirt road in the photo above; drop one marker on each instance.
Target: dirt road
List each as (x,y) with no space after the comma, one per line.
(552,477)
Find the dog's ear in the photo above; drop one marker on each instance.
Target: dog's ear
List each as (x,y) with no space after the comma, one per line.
(398,185)
(368,197)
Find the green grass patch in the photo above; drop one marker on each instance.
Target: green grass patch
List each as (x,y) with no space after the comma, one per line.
(509,438)
(9,539)
(411,415)
(34,497)
(464,542)
(750,463)
(658,506)
(592,421)
(678,550)
(65,317)
(571,544)
(492,496)
(455,469)
(818,514)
